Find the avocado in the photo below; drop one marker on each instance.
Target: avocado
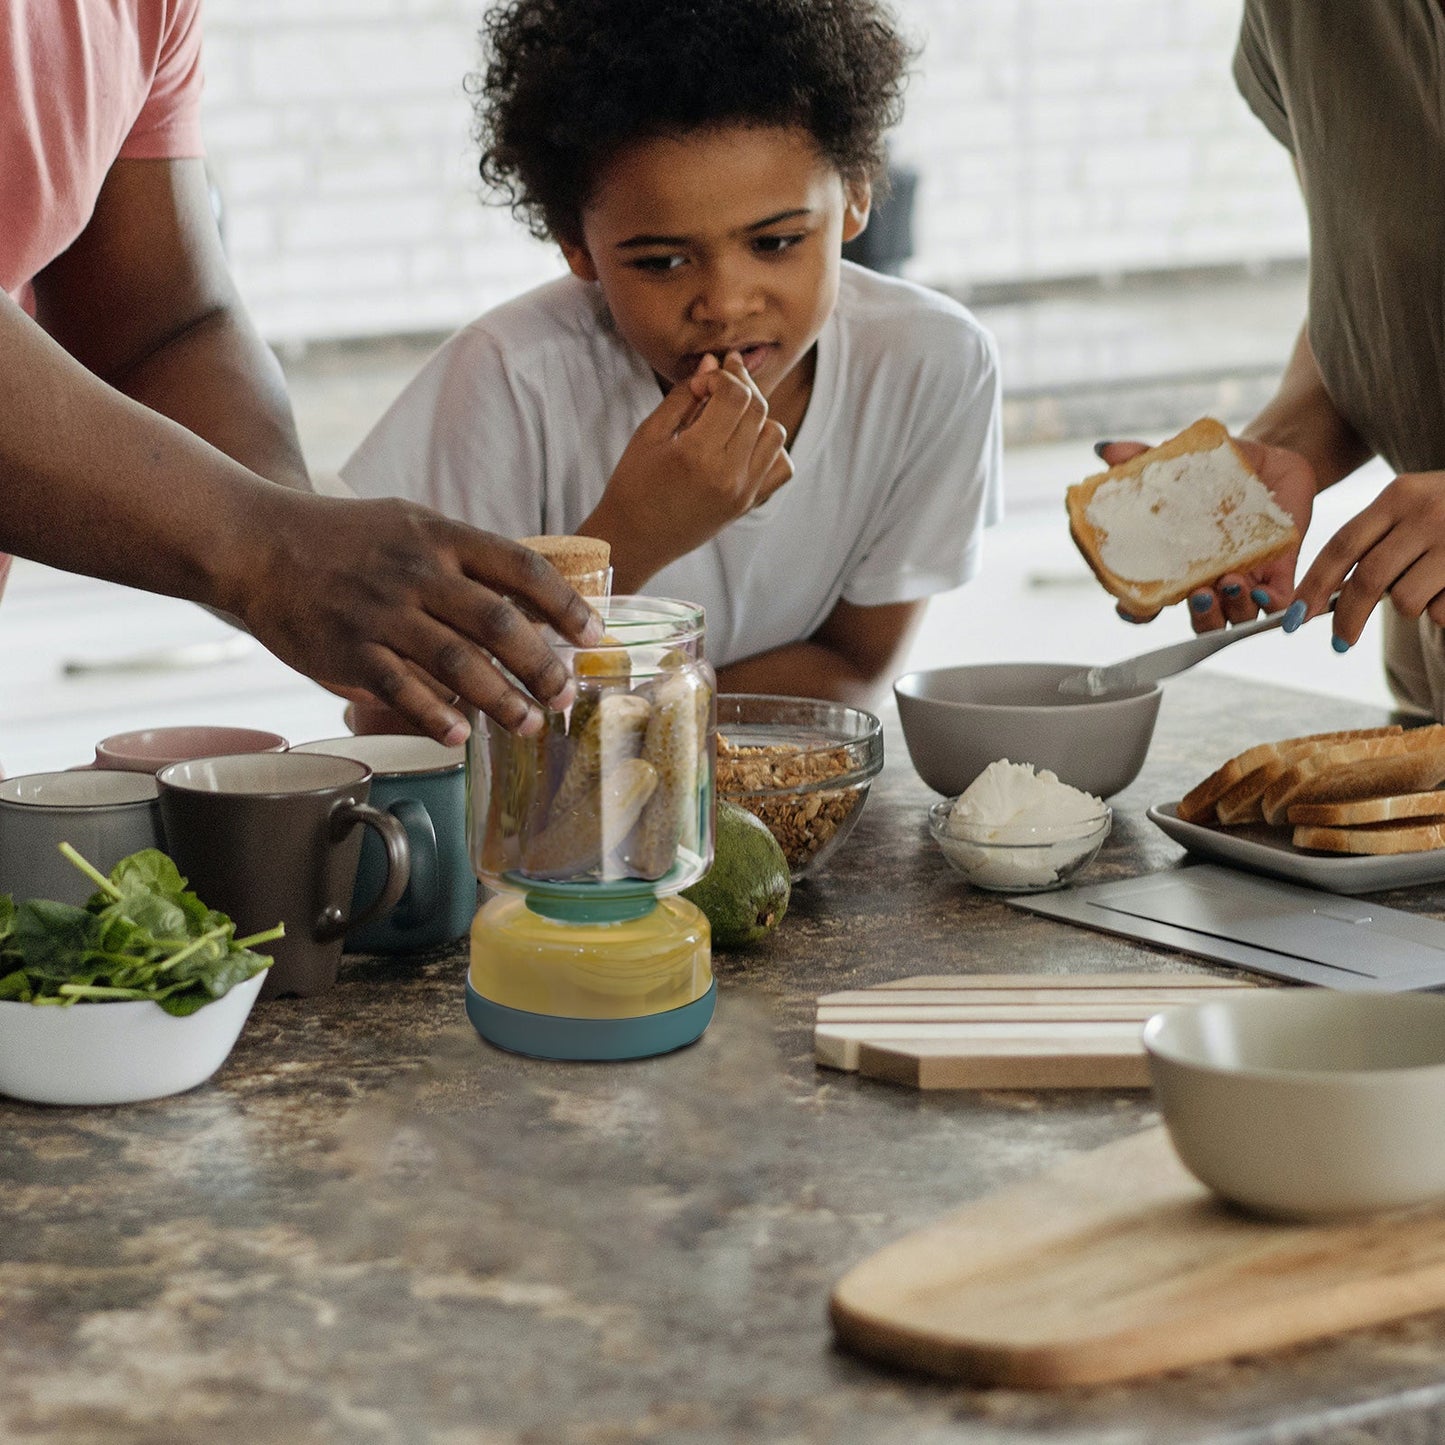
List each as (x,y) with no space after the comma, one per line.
(745,892)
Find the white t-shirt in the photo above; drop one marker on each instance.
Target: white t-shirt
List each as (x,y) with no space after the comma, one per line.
(516,424)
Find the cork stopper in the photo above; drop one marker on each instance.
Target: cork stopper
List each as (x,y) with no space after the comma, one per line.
(586,562)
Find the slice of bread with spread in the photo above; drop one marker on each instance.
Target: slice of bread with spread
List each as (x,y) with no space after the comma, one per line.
(1176,517)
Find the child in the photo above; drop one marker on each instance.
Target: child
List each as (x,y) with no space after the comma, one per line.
(805,448)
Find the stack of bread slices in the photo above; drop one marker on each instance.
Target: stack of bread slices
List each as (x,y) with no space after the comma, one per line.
(1372,790)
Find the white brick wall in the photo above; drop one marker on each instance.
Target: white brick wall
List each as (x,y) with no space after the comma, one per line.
(1054,137)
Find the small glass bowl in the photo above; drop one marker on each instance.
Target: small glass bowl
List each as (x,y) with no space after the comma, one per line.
(809,788)
(1033,860)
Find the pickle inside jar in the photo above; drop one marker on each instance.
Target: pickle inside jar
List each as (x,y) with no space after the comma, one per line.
(616,788)
(672,744)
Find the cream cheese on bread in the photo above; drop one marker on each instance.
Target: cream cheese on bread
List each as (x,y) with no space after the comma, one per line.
(1180,511)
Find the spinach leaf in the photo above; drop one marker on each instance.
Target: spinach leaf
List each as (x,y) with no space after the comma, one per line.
(16,985)
(54,939)
(142,935)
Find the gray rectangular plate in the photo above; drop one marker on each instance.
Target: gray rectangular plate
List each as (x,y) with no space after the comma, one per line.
(1272,928)
(1266,851)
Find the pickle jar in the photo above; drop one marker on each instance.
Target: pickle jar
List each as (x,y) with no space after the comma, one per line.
(614,795)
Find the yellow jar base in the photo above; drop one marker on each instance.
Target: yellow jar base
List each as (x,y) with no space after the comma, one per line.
(640,966)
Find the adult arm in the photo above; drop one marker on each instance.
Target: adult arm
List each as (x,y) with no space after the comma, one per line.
(1395,547)
(143,299)
(1301,417)
(849,659)
(381,597)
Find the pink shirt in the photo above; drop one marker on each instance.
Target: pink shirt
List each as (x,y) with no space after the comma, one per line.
(84,83)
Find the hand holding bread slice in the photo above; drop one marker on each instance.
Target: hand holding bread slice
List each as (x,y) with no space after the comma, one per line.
(1176,518)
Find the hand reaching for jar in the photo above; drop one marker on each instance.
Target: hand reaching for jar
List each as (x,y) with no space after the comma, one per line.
(708,455)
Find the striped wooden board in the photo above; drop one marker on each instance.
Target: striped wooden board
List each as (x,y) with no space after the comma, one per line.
(1003,1031)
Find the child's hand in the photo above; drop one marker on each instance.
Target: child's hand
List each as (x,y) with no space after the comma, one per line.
(1240,596)
(707,456)
(1396,546)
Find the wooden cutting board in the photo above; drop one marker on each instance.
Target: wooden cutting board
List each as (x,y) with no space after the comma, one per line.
(1003,1031)
(1118,1264)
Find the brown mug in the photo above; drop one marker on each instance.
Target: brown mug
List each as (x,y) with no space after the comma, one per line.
(273,837)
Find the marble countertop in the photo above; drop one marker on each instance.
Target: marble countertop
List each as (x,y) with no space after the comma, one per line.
(370,1226)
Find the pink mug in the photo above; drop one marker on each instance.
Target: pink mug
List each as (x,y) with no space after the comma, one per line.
(151,749)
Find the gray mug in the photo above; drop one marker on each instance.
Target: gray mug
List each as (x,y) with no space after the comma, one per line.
(424,786)
(274,837)
(103,816)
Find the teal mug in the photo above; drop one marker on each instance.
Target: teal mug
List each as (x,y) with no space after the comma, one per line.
(423,785)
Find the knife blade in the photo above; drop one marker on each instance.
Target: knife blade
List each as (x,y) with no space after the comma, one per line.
(1151,667)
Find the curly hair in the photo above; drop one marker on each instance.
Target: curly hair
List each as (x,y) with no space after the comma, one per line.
(568,83)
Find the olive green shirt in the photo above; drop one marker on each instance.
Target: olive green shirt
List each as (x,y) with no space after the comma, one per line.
(1356,90)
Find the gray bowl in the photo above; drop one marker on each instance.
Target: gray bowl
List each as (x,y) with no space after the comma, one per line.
(1303,1103)
(958,720)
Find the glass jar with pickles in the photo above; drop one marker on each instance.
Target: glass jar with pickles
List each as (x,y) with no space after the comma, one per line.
(586,831)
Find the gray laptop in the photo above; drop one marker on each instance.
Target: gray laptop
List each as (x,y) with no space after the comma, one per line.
(1269,927)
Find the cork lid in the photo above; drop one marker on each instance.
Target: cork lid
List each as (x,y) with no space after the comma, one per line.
(578,559)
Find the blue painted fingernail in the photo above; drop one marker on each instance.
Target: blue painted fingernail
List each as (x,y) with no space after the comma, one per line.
(1294,614)
(1099,450)
(1260,596)
(1232,590)
(1339,644)
(1201,602)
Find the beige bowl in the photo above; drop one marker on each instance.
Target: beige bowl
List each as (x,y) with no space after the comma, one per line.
(1304,1103)
(958,720)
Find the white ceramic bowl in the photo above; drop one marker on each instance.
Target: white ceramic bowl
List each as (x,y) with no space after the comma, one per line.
(957,720)
(1304,1103)
(1031,860)
(118,1052)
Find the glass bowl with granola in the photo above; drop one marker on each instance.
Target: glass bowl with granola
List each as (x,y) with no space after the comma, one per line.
(801,765)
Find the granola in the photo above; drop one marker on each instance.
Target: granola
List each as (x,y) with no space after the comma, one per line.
(803,820)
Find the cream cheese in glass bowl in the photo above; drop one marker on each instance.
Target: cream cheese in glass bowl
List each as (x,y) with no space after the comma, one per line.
(1018,830)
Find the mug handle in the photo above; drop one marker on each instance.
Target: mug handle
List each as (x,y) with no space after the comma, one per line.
(398,856)
(424,891)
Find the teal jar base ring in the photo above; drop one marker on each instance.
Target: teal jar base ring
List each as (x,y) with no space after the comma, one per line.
(546,1036)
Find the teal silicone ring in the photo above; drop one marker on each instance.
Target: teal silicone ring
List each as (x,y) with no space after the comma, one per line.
(543,1036)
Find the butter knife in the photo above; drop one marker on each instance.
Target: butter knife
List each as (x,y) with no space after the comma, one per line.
(1151,667)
